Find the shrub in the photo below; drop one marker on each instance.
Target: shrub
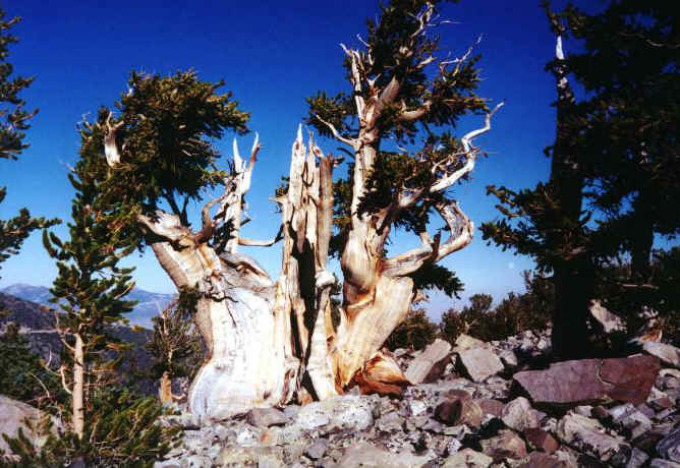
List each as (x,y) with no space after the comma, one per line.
(416,332)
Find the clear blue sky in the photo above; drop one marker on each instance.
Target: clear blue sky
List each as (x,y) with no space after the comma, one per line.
(272,55)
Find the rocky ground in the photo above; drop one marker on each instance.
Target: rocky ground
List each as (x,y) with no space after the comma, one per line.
(475,404)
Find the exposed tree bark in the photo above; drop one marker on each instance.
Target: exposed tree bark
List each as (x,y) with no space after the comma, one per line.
(78,390)
(271,342)
(165,389)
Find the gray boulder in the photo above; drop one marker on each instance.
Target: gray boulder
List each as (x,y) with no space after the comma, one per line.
(589,437)
(519,415)
(344,412)
(429,365)
(14,415)
(480,363)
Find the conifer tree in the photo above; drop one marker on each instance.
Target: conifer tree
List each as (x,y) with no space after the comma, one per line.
(550,223)
(14,121)
(90,287)
(174,342)
(629,64)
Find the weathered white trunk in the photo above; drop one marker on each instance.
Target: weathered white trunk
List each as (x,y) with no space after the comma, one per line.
(236,317)
(78,390)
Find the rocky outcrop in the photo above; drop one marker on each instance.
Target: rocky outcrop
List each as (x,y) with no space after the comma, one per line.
(631,419)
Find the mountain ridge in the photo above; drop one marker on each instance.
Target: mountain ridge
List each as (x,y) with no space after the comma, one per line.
(148,306)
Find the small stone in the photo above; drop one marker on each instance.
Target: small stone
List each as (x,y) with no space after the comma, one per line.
(506,444)
(317,449)
(337,413)
(637,459)
(453,412)
(519,415)
(491,406)
(367,455)
(538,439)
(416,407)
(669,447)
(480,363)
(265,417)
(543,460)
(588,436)
(468,458)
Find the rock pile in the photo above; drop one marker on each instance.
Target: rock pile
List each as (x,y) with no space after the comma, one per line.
(473,404)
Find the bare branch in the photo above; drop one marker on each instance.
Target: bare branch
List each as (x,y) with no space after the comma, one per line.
(110,147)
(412,260)
(63,381)
(460,227)
(470,153)
(355,77)
(348,141)
(415,114)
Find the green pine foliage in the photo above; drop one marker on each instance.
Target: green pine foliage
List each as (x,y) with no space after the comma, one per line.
(397,52)
(91,286)
(176,344)
(169,125)
(415,332)
(516,313)
(14,121)
(23,375)
(122,430)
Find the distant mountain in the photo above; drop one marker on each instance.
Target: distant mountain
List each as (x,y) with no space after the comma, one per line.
(149,303)
(37,321)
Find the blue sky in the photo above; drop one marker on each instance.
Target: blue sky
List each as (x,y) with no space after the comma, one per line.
(272,55)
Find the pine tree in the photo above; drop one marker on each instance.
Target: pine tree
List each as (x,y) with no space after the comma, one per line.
(628,62)
(90,287)
(550,223)
(22,373)
(175,341)
(14,121)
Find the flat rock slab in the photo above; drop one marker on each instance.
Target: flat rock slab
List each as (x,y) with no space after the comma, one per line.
(590,380)
(365,454)
(266,417)
(430,364)
(668,354)
(468,458)
(480,363)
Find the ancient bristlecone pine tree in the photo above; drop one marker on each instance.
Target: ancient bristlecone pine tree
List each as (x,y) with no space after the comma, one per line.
(272,341)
